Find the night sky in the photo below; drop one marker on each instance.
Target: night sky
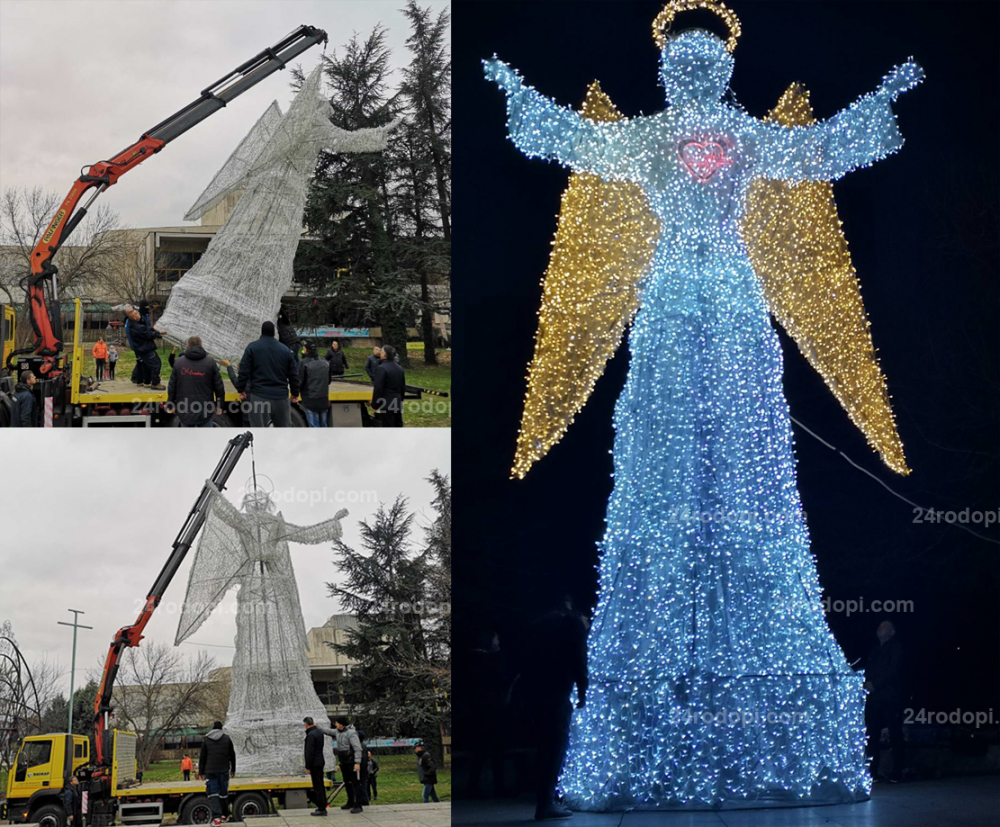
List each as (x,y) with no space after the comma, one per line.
(923,230)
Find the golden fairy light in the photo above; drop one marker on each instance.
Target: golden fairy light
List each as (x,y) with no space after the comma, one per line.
(665,19)
(796,243)
(603,245)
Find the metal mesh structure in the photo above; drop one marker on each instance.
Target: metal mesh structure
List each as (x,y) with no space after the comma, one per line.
(271,687)
(240,280)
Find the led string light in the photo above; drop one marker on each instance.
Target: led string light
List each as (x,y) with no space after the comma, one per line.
(796,243)
(709,603)
(665,19)
(604,242)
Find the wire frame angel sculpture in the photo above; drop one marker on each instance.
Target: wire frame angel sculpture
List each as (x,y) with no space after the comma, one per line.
(240,280)
(271,686)
(714,678)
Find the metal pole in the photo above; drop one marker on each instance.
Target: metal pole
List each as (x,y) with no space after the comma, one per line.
(76,625)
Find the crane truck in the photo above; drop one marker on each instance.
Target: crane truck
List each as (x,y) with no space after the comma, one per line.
(109,779)
(45,356)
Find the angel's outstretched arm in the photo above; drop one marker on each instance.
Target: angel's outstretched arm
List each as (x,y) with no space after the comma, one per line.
(311,535)
(225,510)
(857,136)
(541,128)
(361,140)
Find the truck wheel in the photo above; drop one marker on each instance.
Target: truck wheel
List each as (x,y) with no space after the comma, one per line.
(249,804)
(50,815)
(196,811)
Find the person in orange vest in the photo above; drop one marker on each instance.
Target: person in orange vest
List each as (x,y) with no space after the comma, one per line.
(187,765)
(100,352)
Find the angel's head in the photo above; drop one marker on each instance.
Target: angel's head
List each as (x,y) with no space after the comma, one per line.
(695,67)
(256,501)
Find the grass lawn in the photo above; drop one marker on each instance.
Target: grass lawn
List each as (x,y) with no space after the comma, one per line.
(397,778)
(428,412)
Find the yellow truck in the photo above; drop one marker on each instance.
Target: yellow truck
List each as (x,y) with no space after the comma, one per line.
(79,401)
(34,788)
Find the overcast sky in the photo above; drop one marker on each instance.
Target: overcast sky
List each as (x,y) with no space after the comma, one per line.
(82,79)
(98,511)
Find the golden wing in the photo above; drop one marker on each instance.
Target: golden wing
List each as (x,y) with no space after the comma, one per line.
(604,242)
(794,237)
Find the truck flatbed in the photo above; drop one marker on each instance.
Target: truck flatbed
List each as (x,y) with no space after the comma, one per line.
(238,784)
(123,391)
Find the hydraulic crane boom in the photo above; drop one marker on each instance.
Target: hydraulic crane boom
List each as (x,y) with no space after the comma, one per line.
(131,635)
(42,288)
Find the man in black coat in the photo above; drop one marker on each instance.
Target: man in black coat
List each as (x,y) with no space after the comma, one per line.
(426,774)
(195,389)
(371,363)
(389,385)
(269,376)
(337,359)
(287,335)
(144,338)
(217,764)
(23,415)
(71,801)
(884,709)
(314,382)
(315,762)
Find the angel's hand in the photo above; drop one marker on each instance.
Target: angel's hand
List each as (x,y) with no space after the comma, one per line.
(340,514)
(901,79)
(502,75)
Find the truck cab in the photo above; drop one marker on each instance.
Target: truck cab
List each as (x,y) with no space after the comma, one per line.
(34,786)
(8,328)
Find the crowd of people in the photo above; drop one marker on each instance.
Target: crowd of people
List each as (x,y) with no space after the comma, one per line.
(358,768)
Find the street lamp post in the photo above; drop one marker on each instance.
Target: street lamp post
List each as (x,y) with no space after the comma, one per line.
(76,625)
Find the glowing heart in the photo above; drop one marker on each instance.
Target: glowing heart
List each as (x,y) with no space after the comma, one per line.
(703,158)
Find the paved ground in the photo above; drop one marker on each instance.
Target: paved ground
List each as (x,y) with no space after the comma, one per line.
(381,815)
(953,802)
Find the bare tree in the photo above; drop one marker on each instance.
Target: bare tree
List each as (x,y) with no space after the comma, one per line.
(25,692)
(128,275)
(159,690)
(25,214)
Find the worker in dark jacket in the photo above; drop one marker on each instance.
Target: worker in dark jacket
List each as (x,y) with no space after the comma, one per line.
(143,337)
(387,396)
(217,764)
(884,708)
(372,777)
(269,376)
(23,415)
(314,382)
(287,335)
(140,373)
(337,359)
(71,800)
(427,773)
(372,362)
(315,762)
(195,389)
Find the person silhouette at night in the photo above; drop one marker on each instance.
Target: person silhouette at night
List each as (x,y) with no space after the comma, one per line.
(558,661)
(884,710)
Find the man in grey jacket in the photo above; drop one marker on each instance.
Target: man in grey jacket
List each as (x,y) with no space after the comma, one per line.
(347,748)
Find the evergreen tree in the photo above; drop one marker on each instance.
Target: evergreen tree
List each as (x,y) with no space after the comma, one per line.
(400,683)
(425,165)
(351,264)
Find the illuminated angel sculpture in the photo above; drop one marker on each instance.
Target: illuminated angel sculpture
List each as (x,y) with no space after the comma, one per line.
(715,680)
(241,278)
(271,686)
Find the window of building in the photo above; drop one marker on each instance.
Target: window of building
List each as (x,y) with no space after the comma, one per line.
(171,266)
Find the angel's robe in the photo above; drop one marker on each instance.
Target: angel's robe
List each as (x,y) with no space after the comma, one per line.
(272,690)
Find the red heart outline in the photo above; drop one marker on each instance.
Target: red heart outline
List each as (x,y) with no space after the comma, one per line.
(703,159)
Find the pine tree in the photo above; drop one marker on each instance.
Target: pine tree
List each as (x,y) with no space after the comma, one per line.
(352,259)
(400,684)
(425,166)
